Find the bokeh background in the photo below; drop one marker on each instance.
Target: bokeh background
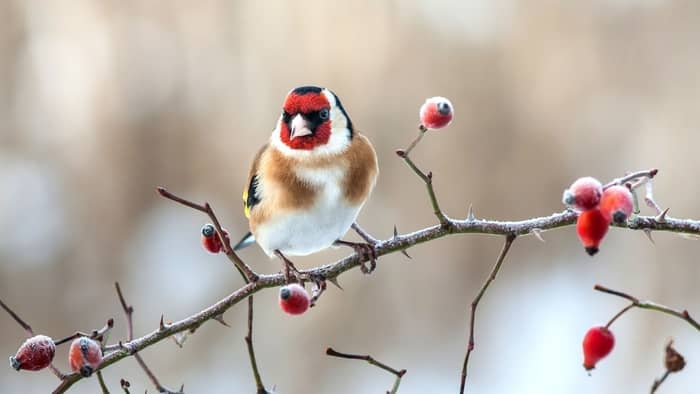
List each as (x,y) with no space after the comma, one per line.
(100,102)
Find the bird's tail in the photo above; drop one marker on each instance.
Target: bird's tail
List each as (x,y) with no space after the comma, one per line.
(246,241)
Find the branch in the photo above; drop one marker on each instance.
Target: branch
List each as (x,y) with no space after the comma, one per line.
(128,312)
(29,331)
(228,250)
(371,360)
(427,178)
(259,386)
(383,247)
(470,347)
(648,305)
(245,271)
(101,380)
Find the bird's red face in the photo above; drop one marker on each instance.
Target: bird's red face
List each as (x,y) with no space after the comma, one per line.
(306,119)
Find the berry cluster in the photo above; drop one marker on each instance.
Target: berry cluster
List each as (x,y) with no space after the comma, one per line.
(598,207)
(37,353)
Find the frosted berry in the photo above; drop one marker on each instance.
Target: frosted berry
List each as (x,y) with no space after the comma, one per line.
(617,203)
(85,355)
(210,241)
(591,227)
(36,353)
(294,299)
(436,113)
(583,194)
(598,343)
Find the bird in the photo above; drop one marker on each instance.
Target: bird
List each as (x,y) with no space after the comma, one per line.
(308,183)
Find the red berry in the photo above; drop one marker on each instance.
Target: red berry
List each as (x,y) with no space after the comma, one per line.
(85,355)
(584,194)
(294,299)
(598,343)
(591,227)
(210,241)
(617,203)
(35,353)
(436,113)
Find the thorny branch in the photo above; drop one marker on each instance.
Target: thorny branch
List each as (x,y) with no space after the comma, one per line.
(383,247)
(494,271)
(648,305)
(427,178)
(398,243)
(228,250)
(128,312)
(399,373)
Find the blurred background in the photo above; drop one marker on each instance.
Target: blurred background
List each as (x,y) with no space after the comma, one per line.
(100,102)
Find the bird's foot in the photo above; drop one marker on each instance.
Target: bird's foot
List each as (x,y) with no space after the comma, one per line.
(319,287)
(290,270)
(366,251)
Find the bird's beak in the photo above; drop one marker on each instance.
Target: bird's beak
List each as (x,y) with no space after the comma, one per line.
(299,127)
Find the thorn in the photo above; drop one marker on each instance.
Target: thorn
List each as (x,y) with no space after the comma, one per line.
(401,153)
(334,281)
(396,232)
(538,234)
(430,175)
(647,232)
(220,319)
(661,218)
(470,214)
(405,253)
(161,325)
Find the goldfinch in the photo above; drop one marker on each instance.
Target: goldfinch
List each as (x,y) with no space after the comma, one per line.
(307,185)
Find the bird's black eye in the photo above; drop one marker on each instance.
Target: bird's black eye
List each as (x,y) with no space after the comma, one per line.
(323,114)
(286,116)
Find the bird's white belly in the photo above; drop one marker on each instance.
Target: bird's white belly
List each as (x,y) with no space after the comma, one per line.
(302,233)
(306,231)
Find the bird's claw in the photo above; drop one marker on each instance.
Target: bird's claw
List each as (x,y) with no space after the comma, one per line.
(365,251)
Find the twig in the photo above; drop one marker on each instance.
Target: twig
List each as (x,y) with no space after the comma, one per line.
(494,271)
(427,178)
(649,198)
(98,335)
(399,373)
(19,320)
(259,386)
(228,250)
(620,313)
(649,305)
(101,380)
(128,312)
(30,331)
(645,175)
(658,382)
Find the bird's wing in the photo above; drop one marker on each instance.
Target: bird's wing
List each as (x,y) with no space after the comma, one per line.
(251,195)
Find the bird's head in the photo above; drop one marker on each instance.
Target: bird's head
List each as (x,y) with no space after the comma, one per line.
(313,120)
